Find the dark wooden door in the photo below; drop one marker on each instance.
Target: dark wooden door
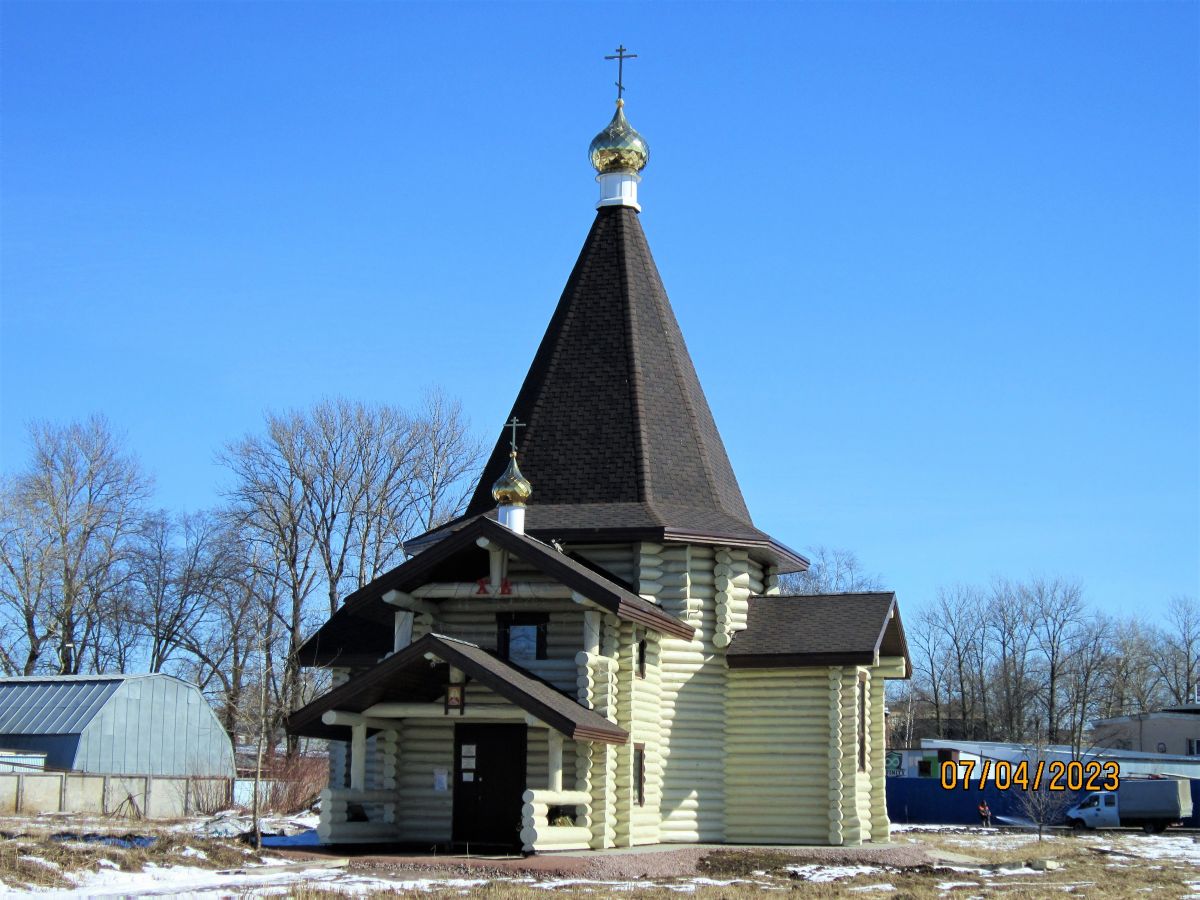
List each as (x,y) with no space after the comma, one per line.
(489,778)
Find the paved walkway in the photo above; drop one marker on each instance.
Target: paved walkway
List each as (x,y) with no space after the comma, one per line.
(654,860)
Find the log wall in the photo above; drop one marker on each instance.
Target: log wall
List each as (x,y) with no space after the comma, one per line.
(781,775)
(682,579)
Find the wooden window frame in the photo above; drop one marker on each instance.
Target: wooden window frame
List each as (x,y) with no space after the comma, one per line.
(639,772)
(504,621)
(861,704)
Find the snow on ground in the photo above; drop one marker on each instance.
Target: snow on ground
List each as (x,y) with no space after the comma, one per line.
(995,841)
(279,876)
(166,880)
(830,873)
(1180,848)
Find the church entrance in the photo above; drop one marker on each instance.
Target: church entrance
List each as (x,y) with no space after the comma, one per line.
(489,778)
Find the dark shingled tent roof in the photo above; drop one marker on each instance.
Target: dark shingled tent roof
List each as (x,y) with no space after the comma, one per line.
(620,443)
(819,630)
(407,676)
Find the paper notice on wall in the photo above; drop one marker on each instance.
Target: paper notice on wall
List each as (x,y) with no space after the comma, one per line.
(441,779)
(468,776)
(468,750)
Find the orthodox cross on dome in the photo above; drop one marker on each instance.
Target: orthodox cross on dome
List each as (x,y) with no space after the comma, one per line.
(620,57)
(514,425)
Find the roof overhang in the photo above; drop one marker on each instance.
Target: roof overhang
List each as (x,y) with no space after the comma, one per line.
(807,632)
(420,673)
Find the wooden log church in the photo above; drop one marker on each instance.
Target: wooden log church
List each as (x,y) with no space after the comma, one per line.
(596,654)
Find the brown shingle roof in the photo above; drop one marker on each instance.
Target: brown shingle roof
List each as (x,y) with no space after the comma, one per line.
(360,631)
(620,442)
(407,676)
(819,630)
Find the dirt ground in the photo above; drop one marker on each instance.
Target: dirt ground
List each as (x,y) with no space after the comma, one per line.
(939,862)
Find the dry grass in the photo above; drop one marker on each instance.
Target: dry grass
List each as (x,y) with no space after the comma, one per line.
(1085,872)
(296,783)
(28,861)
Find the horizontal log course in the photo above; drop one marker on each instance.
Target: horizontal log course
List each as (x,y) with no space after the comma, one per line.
(555,798)
(804,819)
(760,797)
(808,768)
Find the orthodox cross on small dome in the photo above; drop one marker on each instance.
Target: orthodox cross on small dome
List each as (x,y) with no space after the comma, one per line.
(620,57)
(514,425)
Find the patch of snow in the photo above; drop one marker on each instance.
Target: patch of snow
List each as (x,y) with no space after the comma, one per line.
(194,882)
(955,885)
(1181,848)
(997,841)
(883,888)
(1023,870)
(818,873)
(193,853)
(583,882)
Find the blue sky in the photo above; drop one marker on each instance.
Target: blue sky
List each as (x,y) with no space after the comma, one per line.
(936,263)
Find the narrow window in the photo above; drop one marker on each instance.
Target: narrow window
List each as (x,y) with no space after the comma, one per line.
(639,772)
(641,658)
(862,723)
(521,637)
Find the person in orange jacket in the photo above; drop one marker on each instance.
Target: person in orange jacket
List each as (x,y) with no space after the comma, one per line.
(985,814)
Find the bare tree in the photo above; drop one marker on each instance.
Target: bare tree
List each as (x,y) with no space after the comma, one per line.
(1177,649)
(1088,658)
(931,666)
(326,498)
(1131,681)
(179,567)
(958,615)
(27,586)
(269,503)
(1009,636)
(1043,807)
(448,456)
(830,571)
(1057,609)
(70,520)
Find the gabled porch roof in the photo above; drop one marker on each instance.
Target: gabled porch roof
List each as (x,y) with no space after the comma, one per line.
(360,632)
(851,629)
(408,676)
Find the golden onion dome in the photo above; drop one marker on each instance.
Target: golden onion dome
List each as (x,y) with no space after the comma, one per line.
(512,488)
(618,148)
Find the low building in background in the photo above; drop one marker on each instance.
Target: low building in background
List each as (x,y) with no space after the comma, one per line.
(115,725)
(1174,730)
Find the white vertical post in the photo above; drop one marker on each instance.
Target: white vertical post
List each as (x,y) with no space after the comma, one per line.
(358,757)
(591,632)
(496,567)
(404,627)
(555,766)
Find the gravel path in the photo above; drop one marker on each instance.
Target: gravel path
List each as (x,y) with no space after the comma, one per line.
(663,861)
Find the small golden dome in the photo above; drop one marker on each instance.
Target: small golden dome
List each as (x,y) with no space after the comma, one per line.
(618,148)
(512,488)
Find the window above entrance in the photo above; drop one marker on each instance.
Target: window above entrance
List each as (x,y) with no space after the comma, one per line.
(521,637)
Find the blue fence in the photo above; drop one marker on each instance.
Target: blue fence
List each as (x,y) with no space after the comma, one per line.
(923,801)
